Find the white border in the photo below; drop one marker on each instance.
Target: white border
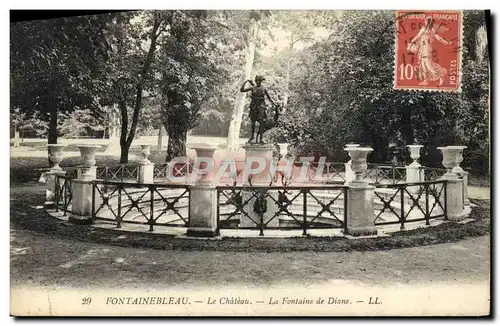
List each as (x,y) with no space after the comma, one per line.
(220,4)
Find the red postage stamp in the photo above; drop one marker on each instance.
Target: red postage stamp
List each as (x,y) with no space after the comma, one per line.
(428,50)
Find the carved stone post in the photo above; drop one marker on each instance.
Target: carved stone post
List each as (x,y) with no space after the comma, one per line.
(203,195)
(414,172)
(146,167)
(349,174)
(360,196)
(81,206)
(56,156)
(464,175)
(454,187)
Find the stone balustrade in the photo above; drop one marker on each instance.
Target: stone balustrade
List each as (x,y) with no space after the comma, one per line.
(360,203)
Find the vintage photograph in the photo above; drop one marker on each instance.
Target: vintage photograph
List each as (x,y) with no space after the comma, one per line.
(250,163)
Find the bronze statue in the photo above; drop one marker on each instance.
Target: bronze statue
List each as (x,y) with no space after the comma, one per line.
(258,108)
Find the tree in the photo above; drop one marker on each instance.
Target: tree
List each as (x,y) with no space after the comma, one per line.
(56,65)
(134,39)
(193,57)
(341,91)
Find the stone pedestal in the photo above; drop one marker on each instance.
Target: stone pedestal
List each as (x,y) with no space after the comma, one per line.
(81,204)
(81,188)
(454,199)
(414,172)
(55,153)
(202,211)
(349,173)
(360,209)
(203,195)
(465,179)
(452,156)
(146,172)
(258,172)
(146,167)
(258,159)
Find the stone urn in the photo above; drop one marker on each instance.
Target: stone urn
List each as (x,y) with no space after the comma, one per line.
(358,157)
(145,151)
(450,158)
(459,157)
(283,149)
(56,155)
(204,154)
(87,154)
(415,153)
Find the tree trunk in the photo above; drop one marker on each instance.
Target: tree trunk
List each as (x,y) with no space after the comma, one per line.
(287,74)
(52,137)
(237,116)
(176,144)
(113,131)
(124,147)
(407,127)
(16,137)
(124,154)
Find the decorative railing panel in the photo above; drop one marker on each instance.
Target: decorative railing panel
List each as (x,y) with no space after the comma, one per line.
(294,207)
(149,204)
(166,170)
(432,174)
(122,172)
(63,194)
(384,174)
(411,202)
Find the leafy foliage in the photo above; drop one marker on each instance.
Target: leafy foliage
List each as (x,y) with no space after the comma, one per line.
(341,92)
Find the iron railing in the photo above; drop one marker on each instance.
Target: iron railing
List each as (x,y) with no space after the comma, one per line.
(410,202)
(432,174)
(261,205)
(122,172)
(136,203)
(179,169)
(63,194)
(384,174)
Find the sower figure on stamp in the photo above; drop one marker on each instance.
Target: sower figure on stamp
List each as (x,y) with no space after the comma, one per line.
(428,69)
(257,105)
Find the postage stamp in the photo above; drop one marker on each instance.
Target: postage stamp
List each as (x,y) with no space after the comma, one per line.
(428,50)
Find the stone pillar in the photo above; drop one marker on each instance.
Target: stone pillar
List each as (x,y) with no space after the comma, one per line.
(146,167)
(454,186)
(360,196)
(203,196)
(349,174)
(55,152)
(414,172)
(461,173)
(81,188)
(258,157)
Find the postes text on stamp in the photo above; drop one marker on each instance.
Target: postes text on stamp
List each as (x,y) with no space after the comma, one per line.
(428,50)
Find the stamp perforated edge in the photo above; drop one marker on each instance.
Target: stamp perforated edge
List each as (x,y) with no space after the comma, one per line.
(460,46)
